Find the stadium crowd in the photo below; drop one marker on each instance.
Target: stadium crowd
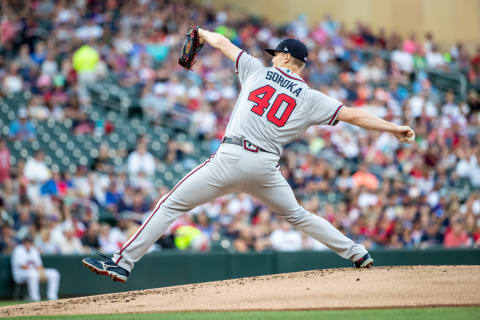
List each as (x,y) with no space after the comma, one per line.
(375,190)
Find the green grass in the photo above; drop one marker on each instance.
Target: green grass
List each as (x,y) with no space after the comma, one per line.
(459,313)
(4,303)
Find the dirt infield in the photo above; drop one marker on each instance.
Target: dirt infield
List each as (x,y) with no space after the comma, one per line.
(381,287)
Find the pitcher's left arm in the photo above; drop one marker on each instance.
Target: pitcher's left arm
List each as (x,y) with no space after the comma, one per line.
(220,42)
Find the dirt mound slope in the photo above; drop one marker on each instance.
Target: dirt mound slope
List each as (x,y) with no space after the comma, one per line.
(381,287)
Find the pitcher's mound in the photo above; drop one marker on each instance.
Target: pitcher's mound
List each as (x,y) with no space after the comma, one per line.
(384,287)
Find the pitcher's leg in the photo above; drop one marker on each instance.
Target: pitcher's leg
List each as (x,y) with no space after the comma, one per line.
(199,186)
(278,195)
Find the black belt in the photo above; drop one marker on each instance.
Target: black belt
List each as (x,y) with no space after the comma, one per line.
(244,144)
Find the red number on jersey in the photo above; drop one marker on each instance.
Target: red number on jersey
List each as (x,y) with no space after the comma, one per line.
(272,113)
(262,96)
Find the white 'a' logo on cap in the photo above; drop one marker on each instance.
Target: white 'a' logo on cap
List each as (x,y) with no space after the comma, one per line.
(285,49)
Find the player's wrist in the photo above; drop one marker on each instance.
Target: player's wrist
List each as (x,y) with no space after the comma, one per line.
(395,128)
(201,35)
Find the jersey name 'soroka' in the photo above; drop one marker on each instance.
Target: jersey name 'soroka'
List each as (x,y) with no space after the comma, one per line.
(284,82)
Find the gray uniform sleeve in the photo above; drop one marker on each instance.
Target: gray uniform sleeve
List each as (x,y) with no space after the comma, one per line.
(246,65)
(323,109)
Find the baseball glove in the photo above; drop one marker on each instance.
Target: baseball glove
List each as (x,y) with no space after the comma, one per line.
(191,48)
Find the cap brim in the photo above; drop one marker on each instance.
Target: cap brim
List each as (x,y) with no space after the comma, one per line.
(271,51)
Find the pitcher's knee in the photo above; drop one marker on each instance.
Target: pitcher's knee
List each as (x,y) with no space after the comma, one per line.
(172,209)
(297,216)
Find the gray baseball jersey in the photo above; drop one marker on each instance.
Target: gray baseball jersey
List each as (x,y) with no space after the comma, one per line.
(275,105)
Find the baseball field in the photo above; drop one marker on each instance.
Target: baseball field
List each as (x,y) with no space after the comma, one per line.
(426,292)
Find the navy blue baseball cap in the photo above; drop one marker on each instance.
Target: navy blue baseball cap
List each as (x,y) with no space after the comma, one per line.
(295,47)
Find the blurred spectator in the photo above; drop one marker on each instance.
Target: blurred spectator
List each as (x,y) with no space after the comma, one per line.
(473,102)
(69,243)
(10,195)
(37,173)
(344,181)
(286,239)
(25,62)
(435,58)
(137,203)
(4,161)
(89,31)
(27,268)
(40,53)
(403,60)
(410,45)
(37,108)
(12,82)
(83,124)
(90,239)
(431,236)
(23,220)
(154,101)
(103,162)
(22,129)
(106,239)
(456,236)
(363,178)
(204,122)
(45,243)
(450,108)
(141,161)
(7,240)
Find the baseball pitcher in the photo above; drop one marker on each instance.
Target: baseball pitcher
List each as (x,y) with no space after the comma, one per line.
(274,107)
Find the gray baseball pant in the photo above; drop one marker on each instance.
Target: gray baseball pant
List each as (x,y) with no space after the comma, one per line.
(234,169)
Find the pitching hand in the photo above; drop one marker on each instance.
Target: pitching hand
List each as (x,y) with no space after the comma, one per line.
(404,134)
